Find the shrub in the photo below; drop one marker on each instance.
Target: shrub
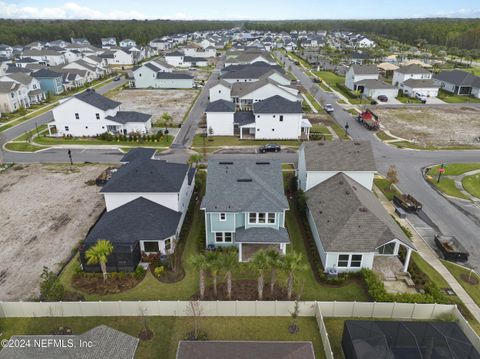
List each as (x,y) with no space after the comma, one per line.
(158,271)
(51,290)
(139,272)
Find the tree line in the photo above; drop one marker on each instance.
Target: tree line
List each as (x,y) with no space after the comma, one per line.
(22,32)
(460,33)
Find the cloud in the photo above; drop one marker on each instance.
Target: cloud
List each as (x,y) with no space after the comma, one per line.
(465,13)
(69,10)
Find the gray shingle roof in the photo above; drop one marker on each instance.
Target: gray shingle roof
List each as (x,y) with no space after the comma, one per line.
(108,344)
(92,98)
(365,69)
(412,69)
(140,219)
(244,186)
(339,156)
(174,75)
(277,104)
(152,67)
(458,77)
(244,350)
(374,84)
(138,153)
(220,106)
(145,175)
(250,71)
(44,73)
(243,118)
(261,235)
(349,218)
(129,116)
(420,83)
(174,53)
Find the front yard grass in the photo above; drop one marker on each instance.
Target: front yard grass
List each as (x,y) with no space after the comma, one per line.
(22,147)
(221,141)
(451,98)
(406,99)
(165,141)
(414,146)
(447,186)
(471,184)
(385,186)
(384,137)
(472,289)
(454,169)
(168,331)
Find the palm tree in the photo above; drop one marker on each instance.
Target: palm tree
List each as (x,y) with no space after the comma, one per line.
(199,262)
(228,262)
(99,254)
(274,259)
(214,265)
(293,263)
(260,263)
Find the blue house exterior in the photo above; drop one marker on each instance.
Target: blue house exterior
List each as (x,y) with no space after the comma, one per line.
(245,206)
(50,81)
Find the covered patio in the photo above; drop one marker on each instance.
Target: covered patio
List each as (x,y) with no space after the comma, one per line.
(252,240)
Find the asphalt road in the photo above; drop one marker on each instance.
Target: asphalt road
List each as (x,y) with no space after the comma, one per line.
(451,217)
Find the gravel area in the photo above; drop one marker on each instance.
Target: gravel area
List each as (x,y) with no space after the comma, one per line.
(45,211)
(437,126)
(156,102)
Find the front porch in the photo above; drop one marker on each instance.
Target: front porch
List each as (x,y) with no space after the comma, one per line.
(395,279)
(247,250)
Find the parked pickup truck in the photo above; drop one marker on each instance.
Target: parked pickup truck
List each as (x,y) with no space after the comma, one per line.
(451,248)
(407,202)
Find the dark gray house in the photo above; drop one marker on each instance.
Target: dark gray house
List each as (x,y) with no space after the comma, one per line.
(458,82)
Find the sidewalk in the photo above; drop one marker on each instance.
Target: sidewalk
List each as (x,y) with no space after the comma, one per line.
(431,257)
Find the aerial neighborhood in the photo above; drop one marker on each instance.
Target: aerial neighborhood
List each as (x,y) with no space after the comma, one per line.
(237,189)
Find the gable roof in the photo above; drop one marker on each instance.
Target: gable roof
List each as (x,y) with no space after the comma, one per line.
(412,69)
(21,77)
(174,75)
(138,153)
(420,83)
(365,69)
(129,116)
(349,218)
(45,73)
(244,350)
(146,175)
(243,185)
(174,54)
(140,219)
(339,156)
(220,106)
(277,104)
(243,118)
(8,86)
(374,84)
(458,77)
(93,98)
(250,71)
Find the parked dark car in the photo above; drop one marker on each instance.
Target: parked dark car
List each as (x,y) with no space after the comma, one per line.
(382,98)
(117,78)
(271,147)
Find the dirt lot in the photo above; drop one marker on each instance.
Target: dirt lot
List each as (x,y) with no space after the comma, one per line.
(45,211)
(156,102)
(441,126)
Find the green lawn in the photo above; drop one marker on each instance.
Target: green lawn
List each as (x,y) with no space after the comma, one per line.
(384,137)
(313,101)
(339,130)
(169,330)
(27,117)
(220,141)
(165,141)
(457,271)
(299,59)
(22,147)
(471,184)
(447,186)
(414,146)
(450,98)
(454,169)
(384,185)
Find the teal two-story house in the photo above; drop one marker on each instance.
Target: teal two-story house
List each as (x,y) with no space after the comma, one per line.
(245,206)
(50,81)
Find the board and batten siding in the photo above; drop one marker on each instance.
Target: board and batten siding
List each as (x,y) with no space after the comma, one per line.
(269,126)
(365,178)
(221,123)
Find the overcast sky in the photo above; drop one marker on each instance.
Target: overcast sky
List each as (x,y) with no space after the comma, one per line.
(240,9)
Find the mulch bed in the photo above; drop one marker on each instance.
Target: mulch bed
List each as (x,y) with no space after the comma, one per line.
(96,285)
(473,279)
(145,334)
(245,290)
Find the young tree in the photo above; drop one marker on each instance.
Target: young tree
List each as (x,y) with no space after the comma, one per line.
(229,261)
(392,176)
(195,159)
(275,262)
(260,263)
(292,264)
(199,262)
(50,287)
(214,265)
(99,254)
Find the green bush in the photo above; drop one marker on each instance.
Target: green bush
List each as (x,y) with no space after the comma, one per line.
(51,290)
(139,272)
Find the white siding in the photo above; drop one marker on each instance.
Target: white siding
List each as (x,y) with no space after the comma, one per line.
(374,93)
(332,261)
(169,200)
(269,126)
(428,92)
(400,78)
(219,92)
(221,123)
(267,91)
(365,178)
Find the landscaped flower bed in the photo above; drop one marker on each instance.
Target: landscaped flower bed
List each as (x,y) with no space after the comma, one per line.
(93,283)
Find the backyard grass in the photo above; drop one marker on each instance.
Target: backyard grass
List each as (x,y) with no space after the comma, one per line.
(165,141)
(451,98)
(334,328)
(220,141)
(455,169)
(168,331)
(22,147)
(471,184)
(384,185)
(472,289)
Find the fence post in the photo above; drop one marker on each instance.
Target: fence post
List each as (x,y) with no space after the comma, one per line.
(256,309)
(275,307)
(413,310)
(216,309)
(353,307)
(236,308)
(433,310)
(373,309)
(333,311)
(393,309)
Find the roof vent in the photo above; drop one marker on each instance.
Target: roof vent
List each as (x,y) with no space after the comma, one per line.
(262,163)
(225,163)
(363,209)
(340,182)
(244,180)
(347,192)
(356,143)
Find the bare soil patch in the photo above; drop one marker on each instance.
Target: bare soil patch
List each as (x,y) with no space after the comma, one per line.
(156,102)
(93,283)
(245,290)
(434,126)
(45,211)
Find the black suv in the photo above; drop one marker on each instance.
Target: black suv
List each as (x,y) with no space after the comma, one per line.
(271,147)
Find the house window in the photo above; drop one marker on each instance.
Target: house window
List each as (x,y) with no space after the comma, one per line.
(218,237)
(168,244)
(388,248)
(356,261)
(150,246)
(97,116)
(66,128)
(223,216)
(261,217)
(223,237)
(228,237)
(273,116)
(77,116)
(271,218)
(343,260)
(281,118)
(252,218)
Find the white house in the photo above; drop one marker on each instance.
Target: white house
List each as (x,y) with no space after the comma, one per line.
(108,42)
(161,44)
(91,114)
(46,57)
(272,118)
(151,76)
(365,42)
(352,230)
(32,85)
(127,43)
(221,90)
(410,72)
(13,96)
(358,73)
(426,88)
(175,59)
(254,72)
(318,161)
(376,88)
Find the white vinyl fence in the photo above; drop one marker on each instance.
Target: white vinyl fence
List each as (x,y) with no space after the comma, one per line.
(319,310)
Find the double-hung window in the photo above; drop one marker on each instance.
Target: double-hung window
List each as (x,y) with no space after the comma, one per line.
(356,260)
(271,218)
(223,237)
(77,116)
(222,216)
(261,218)
(343,260)
(347,260)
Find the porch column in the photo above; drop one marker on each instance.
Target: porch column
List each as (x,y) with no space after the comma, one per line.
(407,259)
(49,129)
(240,259)
(283,248)
(241,130)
